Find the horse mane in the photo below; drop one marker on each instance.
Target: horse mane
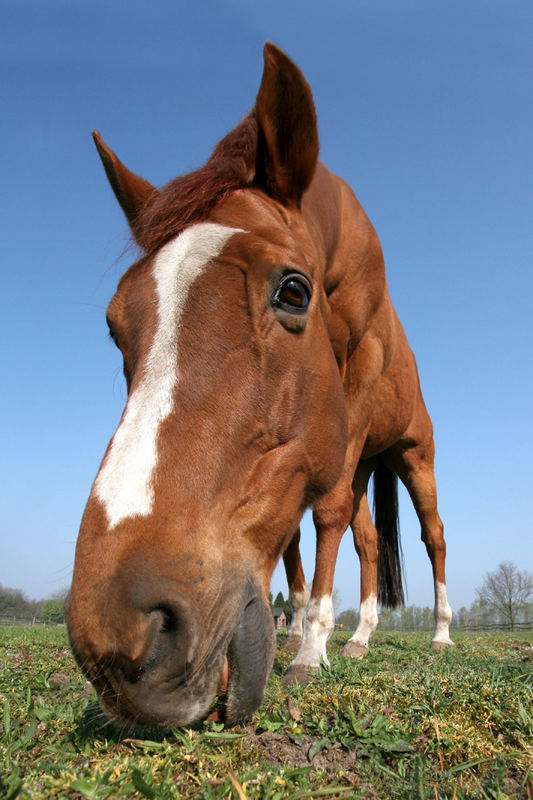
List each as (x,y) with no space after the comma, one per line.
(189,198)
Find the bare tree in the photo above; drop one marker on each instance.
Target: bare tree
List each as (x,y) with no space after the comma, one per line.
(506,591)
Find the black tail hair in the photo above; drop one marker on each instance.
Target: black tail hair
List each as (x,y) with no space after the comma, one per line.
(390,558)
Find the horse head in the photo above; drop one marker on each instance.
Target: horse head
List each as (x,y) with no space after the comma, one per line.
(234,330)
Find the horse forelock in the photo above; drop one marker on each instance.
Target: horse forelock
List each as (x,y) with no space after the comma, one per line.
(189,198)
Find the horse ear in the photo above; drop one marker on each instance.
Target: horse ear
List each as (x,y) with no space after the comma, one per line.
(287,130)
(131,191)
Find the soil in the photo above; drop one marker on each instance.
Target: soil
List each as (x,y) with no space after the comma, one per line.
(286,750)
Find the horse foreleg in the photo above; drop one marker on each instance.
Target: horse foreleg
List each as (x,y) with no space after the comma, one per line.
(298,591)
(331,516)
(414,465)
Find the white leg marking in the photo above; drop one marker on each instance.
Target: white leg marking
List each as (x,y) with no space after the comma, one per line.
(299,602)
(124,483)
(443,614)
(368,621)
(318,625)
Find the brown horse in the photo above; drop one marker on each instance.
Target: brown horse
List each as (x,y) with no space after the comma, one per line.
(267,372)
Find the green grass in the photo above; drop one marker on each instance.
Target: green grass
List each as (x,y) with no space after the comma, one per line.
(402,723)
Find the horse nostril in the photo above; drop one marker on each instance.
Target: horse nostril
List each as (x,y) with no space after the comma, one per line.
(162,645)
(174,633)
(168,618)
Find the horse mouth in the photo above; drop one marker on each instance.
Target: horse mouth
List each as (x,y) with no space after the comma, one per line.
(123,713)
(217,713)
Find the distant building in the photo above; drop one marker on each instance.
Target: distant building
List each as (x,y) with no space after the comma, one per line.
(280,618)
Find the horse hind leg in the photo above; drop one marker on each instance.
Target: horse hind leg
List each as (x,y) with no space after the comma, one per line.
(298,593)
(414,465)
(365,538)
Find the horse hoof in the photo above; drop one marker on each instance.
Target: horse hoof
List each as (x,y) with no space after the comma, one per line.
(440,645)
(291,644)
(297,673)
(354,650)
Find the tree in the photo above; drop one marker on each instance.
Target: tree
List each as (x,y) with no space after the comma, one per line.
(348,619)
(462,618)
(53,611)
(480,614)
(14,603)
(506,591)
(279,602)
(54,607)
(389,619)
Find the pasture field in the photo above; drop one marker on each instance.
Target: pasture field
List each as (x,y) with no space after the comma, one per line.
(402,723)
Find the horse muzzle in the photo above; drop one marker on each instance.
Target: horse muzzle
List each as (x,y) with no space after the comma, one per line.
(168,670)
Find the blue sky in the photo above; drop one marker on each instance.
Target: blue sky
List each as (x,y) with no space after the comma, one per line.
(426,108)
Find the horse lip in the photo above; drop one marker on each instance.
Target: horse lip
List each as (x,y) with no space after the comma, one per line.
(249,661)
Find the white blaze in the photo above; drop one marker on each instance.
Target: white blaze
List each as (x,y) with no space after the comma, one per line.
(124,484)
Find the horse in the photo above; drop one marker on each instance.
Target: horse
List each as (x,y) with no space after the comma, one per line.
(267,373)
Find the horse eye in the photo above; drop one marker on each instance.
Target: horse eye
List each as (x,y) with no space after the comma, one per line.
(293,294)
(113,336)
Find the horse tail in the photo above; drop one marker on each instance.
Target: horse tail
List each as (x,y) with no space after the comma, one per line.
(390,556)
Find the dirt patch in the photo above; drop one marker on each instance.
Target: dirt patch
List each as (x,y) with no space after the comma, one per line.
(57,679)
(286,750)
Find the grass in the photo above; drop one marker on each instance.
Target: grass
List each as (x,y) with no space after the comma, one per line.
(402,723)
